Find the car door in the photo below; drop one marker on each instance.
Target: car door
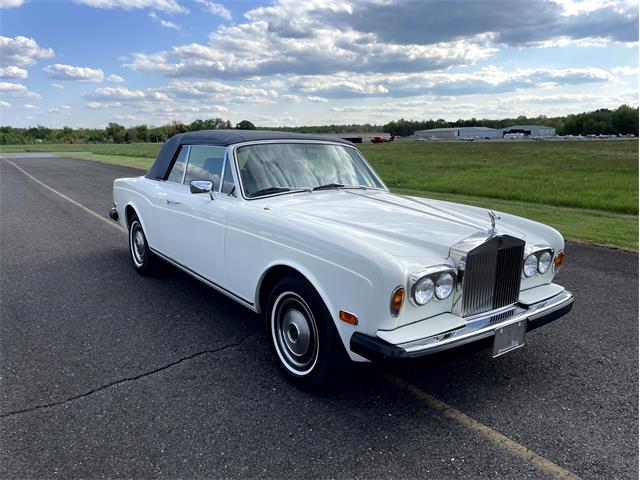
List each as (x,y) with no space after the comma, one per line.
(194,225)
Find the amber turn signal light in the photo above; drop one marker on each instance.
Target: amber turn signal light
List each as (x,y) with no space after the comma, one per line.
(348,317)
(397,299)
(557,263)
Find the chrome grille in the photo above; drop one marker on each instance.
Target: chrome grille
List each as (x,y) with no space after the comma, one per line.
(492,274)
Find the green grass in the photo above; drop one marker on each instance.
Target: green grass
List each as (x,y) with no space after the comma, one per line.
(595,175)
(586,190)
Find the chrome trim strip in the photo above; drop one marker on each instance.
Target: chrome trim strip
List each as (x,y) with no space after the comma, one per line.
(483,326)
(224,167)
(204,280)
(186,164)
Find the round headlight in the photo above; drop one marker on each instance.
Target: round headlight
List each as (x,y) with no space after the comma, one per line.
(423,291)
(530,265)
(444,285)
(544,262)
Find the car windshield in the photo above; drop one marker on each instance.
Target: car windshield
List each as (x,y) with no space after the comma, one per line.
(271,168)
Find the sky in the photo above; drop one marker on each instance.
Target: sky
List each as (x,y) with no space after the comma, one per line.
(84,63)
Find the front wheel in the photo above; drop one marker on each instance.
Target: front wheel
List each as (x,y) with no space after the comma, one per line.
(302,335)
(141,256)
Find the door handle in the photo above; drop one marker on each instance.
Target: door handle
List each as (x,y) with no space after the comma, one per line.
(171,202)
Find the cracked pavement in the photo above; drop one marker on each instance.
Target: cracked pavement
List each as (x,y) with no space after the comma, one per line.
(127,379)
(107,374)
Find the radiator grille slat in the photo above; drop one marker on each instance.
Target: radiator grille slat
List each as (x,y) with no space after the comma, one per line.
(492,275)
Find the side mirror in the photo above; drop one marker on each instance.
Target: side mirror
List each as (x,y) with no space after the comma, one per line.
(201,186)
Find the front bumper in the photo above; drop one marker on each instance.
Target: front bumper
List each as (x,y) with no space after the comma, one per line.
(477,328)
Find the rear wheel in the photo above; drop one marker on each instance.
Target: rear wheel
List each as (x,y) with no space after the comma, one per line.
(302,335)
(143,259)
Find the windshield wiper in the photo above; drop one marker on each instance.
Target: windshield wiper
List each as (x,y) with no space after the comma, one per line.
(329,186)
(270,190)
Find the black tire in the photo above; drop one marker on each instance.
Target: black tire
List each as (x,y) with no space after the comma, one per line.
(143,259)
(302,335)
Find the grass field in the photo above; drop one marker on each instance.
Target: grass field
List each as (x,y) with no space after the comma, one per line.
(587,190)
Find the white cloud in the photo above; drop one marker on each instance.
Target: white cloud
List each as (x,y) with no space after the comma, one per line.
(66,109)
(122,94)
(21,51)
(290,98)
(484,80)
(159,96)
(563,99)
(626,70)
(99,105)
(288,38)
(317,99)
(211,90)
(28,106)
(11,3)
(167,6)
(70,73)
(303,37)
(433,21)
(164,23)
(13,72)
(124,118)
(115,78)
(216,8)
(17,90)
(4,104)
(59,86)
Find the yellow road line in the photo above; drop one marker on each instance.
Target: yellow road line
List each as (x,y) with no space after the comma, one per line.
(70,200)
(514,447)
(541,463)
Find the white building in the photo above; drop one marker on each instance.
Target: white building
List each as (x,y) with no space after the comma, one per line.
(459,133)
(530,131)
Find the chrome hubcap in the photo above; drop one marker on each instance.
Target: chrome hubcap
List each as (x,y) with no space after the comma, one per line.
(138,244)
(295,333)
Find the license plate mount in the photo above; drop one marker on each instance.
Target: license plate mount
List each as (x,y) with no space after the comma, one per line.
(509,338)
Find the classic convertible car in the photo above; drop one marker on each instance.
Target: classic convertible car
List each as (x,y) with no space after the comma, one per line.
(302,229)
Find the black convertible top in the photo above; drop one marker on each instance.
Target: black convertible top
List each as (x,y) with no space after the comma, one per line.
(221,138)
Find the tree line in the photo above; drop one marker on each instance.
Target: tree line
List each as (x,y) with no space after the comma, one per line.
(621,121)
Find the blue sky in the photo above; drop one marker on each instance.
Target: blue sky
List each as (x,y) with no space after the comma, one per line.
(302,62)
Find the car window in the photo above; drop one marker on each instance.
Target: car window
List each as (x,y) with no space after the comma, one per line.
(228,185)
(177,172)
(205,163)
(264,167)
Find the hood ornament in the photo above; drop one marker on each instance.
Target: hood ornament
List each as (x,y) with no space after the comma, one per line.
(493,216)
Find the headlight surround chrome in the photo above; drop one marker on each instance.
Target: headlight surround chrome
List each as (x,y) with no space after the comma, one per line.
(538,259)
(434,282)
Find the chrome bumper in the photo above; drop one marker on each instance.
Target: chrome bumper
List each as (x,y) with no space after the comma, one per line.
(477,328)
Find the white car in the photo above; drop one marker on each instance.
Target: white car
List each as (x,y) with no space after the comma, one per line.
(302,229)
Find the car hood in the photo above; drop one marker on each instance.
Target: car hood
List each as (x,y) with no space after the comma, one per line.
(399,225)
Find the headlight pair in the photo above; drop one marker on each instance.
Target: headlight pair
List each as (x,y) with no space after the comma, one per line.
(429,283)
(539,261)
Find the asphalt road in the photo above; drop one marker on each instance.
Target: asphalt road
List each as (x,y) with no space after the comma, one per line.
(108,374)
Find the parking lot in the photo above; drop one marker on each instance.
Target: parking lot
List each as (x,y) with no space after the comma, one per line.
(105,373)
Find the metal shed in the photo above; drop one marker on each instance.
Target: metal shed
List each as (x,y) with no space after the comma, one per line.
(459,133)
(530,130)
